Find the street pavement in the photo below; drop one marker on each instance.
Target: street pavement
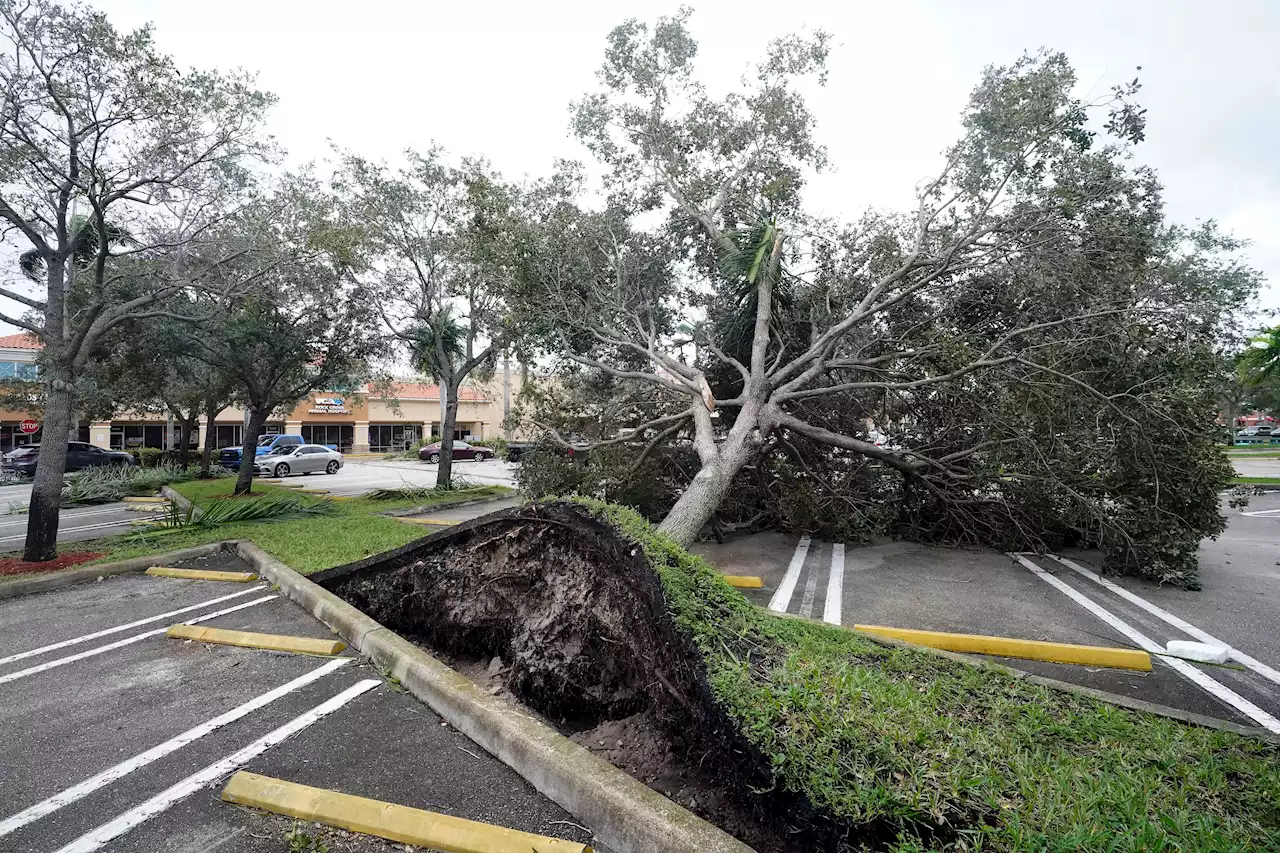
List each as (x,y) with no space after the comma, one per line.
(67,720)
(358,476)
(906,585)
(1247,467)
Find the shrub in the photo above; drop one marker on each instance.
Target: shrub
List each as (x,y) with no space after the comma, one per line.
(497,444)
(150,457)
(109,483)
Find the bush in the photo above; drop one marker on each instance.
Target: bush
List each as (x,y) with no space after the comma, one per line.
(150,457)
(498,445)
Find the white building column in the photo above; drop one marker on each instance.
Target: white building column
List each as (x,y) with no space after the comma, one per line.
(360,438)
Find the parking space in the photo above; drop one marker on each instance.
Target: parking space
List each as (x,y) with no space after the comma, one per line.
(906,585)
(121,744)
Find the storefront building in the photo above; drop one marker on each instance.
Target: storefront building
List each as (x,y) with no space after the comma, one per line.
(363,422)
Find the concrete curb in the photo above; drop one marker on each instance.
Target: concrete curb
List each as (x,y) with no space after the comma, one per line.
(1080,690)
(628,816)
(88,574)
(178,500)
(418,510)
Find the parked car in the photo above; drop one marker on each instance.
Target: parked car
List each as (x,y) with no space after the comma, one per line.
(1260,431)
(229,457)
(80,455)
(461,450)
(286,459)
(576,449)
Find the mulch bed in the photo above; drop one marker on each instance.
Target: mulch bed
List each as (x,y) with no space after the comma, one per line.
(15,566)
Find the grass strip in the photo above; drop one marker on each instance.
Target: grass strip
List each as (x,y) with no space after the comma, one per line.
(354,529)
(920,752)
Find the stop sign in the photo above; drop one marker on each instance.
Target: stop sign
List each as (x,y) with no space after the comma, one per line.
(29,426)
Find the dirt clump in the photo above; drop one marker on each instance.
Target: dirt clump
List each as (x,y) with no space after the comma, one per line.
(552,605)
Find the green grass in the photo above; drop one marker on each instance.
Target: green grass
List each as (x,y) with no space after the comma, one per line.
(1255,481)
(938,755)
(356,530)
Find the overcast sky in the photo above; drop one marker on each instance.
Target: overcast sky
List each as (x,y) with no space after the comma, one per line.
(496,78)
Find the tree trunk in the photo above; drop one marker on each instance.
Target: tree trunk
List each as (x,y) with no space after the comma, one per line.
(444,474)
(185,426)
(699,502)
(249,448)
(206,453)
(46,492)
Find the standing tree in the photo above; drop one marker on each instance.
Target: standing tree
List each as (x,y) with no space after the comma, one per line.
(101,135)
(448,245)
(1035,264)
(305,325)
(149,364)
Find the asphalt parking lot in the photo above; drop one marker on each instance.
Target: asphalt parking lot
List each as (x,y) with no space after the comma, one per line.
(94,697)
(906,585)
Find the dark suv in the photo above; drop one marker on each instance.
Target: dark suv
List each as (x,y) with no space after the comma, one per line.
(80,455)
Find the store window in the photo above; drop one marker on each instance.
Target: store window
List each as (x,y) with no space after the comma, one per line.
(340,436)
(390,438)
(461,432)
(227,435)
(18,370)
(135,436)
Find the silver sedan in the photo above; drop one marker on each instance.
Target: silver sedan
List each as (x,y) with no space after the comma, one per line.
(298,459)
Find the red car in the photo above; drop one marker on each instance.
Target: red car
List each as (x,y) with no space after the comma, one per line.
(461,450)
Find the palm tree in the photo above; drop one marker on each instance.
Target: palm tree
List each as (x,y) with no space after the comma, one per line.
(439,342)
(1260,362)
(32,264)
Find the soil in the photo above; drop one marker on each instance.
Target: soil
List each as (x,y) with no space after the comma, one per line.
(549,607)
(16,566)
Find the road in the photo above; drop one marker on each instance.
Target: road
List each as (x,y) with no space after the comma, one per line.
(119,712)
(1247,467)
(358,476)
(984,592)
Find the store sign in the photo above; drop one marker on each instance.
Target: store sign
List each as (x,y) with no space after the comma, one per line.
(329,406)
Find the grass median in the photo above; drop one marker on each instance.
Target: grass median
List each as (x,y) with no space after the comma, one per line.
(916,752)
(354,530)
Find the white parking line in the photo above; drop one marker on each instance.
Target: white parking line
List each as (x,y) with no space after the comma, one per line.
(94,839)
(63,516)
(155,753)
(102,526)
(107,631)
(1176,621)
(835,586)
(47,665)
(782,595)
(1265,513)
(1214,688)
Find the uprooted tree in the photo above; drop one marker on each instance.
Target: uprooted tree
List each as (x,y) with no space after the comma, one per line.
(1036,338)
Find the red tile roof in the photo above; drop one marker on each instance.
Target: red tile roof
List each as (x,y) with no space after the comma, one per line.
(420,391)
(22,340)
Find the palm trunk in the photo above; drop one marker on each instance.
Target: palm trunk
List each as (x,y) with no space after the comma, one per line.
(46,492)
(444,474)
(249,448)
